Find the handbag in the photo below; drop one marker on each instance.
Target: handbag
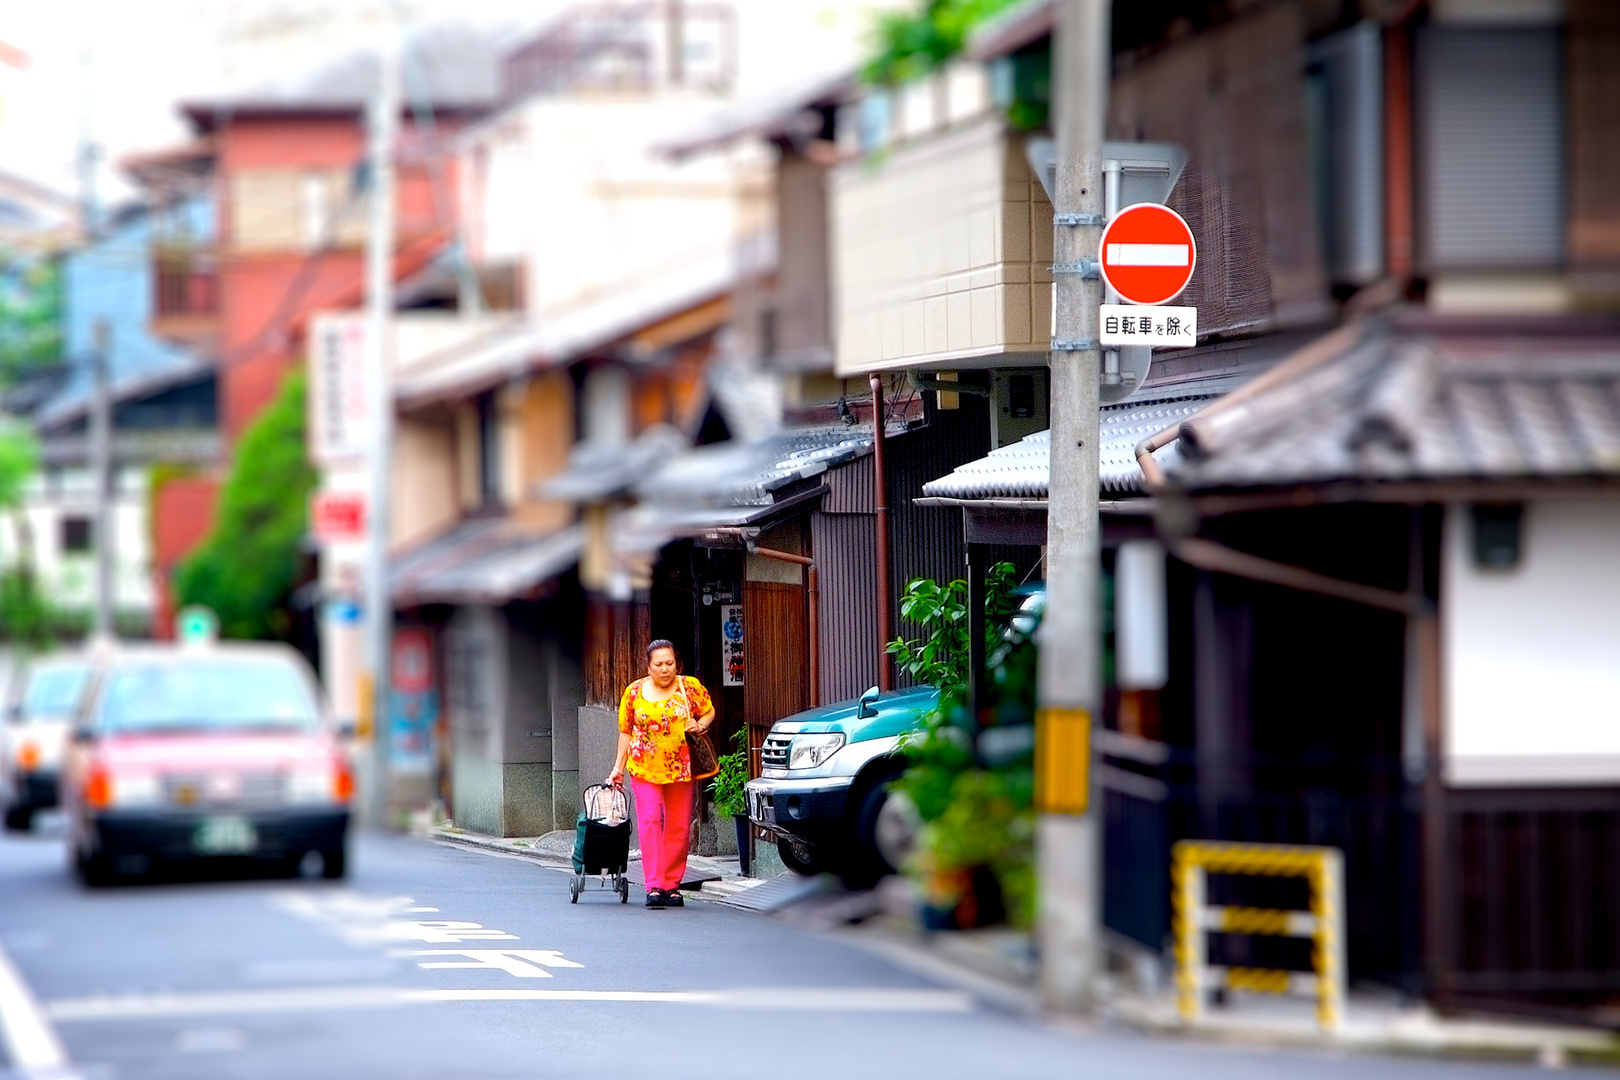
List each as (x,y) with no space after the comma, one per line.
(699,749)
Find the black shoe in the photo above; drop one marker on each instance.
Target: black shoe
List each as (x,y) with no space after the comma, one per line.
(655,899)
(673,898)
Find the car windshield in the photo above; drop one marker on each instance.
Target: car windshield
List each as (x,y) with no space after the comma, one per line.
(209,695)
(54,690)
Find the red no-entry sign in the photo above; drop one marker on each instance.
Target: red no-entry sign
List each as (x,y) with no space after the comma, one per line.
(1147,254)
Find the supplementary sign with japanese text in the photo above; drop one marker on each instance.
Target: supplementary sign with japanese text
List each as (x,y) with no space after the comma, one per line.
(1166,327)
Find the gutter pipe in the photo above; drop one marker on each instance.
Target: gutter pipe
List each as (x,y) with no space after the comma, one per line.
(880,500)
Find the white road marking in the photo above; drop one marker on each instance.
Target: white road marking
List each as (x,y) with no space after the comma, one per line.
(136,1006)
(524,963)
(210,1041)
(145,1006)
(1148,254)
(31,1042)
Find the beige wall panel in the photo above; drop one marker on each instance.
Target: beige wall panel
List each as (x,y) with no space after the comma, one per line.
(926,242)
(935,309)
(424,482)
(546,418)
(1016,313)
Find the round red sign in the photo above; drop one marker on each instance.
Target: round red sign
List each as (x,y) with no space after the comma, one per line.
(1147,254)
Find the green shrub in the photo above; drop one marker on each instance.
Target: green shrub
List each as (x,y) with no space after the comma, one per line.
(977,814)
(727,786)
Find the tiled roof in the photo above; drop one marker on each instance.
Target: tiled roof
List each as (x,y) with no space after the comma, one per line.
(1020,470)
(735,474)
(1397,408)
(449,66)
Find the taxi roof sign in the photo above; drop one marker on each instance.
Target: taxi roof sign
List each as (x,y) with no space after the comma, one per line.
(196,625)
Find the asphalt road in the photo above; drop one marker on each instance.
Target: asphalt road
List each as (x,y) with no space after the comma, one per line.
(307,979)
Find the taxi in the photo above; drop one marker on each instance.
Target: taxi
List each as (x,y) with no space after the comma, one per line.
(206,752)
(34,733)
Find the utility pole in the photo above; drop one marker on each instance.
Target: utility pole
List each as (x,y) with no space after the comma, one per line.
(100,378)
(101,466)
(382,125)
(1068,832)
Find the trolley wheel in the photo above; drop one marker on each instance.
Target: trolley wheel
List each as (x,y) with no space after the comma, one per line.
(624,889)
(575,883)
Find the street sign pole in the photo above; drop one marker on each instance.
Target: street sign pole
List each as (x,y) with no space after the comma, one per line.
(1068,836)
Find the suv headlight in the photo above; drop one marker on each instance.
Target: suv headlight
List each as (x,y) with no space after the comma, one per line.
(808,751)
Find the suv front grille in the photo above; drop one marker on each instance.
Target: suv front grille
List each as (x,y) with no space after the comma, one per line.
(774,754)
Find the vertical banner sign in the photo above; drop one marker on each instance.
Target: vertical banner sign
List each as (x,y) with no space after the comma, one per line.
(337,388)
(733,664)
(413,703)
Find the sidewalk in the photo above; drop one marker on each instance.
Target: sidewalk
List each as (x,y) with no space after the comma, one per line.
(998,965)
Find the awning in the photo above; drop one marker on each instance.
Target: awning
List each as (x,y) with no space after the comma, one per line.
(659,293)
(482,561)
(736,484)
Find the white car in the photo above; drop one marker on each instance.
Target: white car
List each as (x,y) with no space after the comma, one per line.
(46,694)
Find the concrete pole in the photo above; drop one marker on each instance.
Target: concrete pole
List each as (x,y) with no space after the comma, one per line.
(1068,832)
(383,123)
(101,466)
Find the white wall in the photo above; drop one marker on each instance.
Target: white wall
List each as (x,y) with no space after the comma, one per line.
(1531,656)
(69,578)
(572,190)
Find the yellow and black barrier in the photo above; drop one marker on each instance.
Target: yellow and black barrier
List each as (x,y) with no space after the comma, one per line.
(1192,861)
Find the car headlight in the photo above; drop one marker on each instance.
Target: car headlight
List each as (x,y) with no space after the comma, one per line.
(808,751)
(327,784)
(135,789)
(311,786)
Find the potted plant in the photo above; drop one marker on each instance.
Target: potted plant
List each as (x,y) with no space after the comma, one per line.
(729,798)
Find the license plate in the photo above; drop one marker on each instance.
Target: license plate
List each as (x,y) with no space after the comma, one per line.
(225,836)
(760,808)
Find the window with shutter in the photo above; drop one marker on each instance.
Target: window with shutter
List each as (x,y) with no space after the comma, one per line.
(295,209)
(1491,147)
(1347,104)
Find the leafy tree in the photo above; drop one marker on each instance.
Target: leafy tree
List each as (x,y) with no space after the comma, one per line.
(25,617)
(909,45)
(247,568)
(30,316)
(940,657)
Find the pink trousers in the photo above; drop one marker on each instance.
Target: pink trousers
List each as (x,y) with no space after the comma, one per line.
(664,820)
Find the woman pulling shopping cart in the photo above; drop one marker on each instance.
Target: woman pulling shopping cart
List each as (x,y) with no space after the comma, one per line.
(655,714)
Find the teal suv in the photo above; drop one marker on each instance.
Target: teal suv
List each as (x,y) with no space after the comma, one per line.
(823,791)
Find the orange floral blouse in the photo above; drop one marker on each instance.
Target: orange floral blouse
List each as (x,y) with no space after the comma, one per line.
(657,731)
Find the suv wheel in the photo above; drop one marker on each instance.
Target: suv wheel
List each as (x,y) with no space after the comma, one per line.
(797,857)
(882,836)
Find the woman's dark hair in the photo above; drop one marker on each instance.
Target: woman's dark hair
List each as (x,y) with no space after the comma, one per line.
(663,643)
